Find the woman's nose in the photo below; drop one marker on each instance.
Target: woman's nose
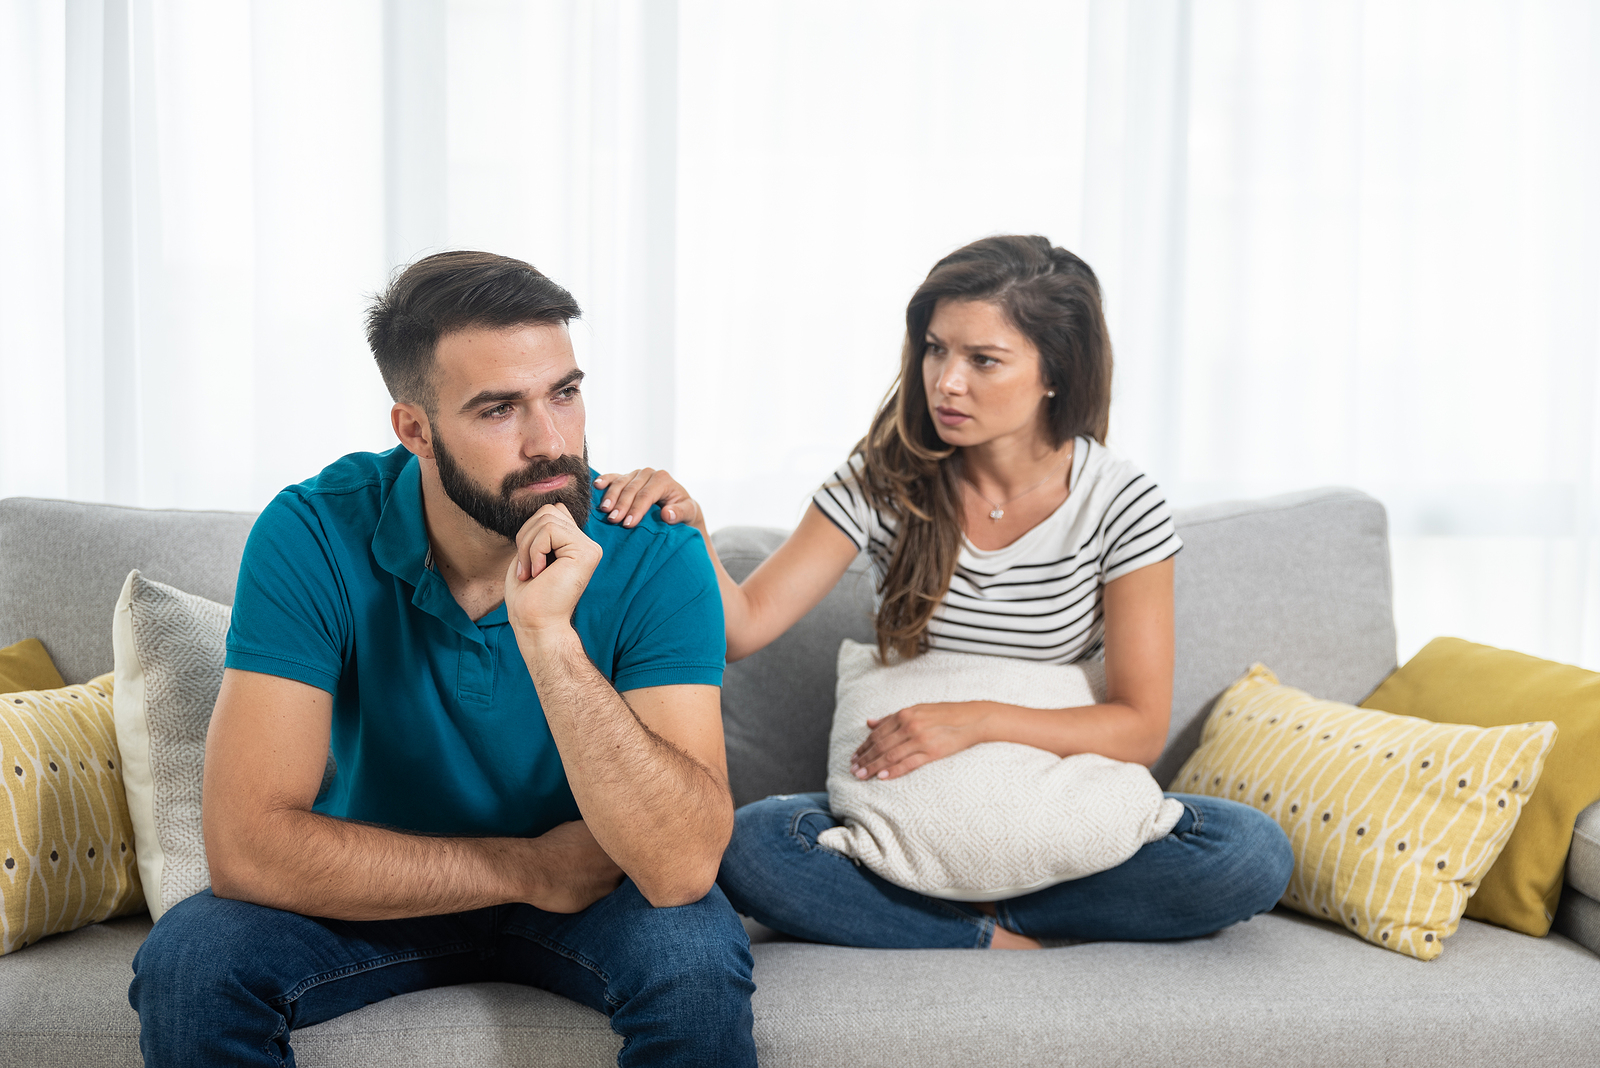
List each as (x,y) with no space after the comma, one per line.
(951,381)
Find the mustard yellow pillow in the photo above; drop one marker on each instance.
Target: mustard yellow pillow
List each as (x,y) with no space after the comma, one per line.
(1457,681)
(25,665)
(66,843)
(1393,820)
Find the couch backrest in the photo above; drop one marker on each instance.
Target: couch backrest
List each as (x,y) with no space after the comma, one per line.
(1299,582)
(62,565)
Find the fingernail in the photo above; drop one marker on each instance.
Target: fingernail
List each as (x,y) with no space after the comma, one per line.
(628,522)
(859,773)
(605,505)
(884,774)
(667,513)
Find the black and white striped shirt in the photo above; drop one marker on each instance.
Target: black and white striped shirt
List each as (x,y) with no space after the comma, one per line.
(1038,598)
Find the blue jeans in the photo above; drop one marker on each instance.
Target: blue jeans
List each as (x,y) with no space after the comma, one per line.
(1223,862)
(227,982)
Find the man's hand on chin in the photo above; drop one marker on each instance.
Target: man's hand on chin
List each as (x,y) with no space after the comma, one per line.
(550,571)
(574,872)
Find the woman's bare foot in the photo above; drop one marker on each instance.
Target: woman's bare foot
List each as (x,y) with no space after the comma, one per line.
(1004,939)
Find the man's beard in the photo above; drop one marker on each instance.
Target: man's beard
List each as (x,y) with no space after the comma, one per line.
(501,513)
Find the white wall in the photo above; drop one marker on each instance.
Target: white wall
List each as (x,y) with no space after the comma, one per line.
(1349,243)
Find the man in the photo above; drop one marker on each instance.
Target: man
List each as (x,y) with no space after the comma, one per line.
(529,780)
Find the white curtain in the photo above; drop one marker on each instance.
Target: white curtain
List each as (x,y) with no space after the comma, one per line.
(1348,243)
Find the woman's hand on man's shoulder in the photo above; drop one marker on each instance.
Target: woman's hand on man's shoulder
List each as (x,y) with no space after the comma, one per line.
(631,494)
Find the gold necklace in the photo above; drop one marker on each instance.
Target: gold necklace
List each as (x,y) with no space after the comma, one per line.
(997,509)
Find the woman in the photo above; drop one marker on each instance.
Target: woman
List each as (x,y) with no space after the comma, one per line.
(997,522)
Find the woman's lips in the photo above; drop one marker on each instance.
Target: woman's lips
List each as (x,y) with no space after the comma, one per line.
(950,417)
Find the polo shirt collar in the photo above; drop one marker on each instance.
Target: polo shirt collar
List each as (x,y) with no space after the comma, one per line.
(400,546)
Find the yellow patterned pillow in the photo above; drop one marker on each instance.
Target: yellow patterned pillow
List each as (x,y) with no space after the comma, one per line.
(66,843)
(1393,820)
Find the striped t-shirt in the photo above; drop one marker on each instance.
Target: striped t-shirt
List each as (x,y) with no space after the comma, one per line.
(1038,598)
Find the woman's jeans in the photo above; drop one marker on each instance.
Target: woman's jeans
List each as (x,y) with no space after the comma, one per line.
(1223,862)
(226,982)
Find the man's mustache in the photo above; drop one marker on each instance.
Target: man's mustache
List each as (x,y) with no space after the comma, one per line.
(541,468)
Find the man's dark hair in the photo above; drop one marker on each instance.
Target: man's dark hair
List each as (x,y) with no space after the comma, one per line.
(451,291)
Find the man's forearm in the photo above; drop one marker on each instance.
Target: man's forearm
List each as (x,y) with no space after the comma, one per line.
(662,815)
(317,865)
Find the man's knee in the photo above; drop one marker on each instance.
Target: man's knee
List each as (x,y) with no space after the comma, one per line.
(195,939)
(205,949)
(703,945)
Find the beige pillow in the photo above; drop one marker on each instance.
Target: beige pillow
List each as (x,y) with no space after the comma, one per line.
(1393,820)
(169,648)
(996,820)
(66,843)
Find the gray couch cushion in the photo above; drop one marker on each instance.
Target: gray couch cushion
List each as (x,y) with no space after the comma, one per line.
(62,564)
(777,705)
(1299,582)
(1281,989)
(1583,861)
(1578,918)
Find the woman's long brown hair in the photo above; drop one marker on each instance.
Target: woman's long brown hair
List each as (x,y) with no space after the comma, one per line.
(1053,298)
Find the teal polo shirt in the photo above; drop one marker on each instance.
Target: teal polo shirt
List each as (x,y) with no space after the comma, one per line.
(436,724)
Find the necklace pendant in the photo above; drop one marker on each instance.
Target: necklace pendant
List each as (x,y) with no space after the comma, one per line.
(996,514)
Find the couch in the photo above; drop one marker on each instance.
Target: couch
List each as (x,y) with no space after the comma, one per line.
(1300,582)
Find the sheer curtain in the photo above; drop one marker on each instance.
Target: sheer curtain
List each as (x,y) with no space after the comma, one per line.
(1340,243)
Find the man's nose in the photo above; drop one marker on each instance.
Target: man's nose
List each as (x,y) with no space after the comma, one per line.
(541,436)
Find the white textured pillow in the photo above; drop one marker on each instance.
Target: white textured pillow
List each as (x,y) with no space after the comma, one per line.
(169,648)
(996,820)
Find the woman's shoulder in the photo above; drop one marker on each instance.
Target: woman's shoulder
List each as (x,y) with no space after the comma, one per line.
(842,499)
(1105,470)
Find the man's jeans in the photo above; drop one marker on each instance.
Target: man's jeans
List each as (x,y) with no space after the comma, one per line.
(1222,863)
(226,982)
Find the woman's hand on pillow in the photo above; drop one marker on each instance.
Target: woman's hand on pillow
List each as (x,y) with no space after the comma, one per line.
(630,495)
(914,736)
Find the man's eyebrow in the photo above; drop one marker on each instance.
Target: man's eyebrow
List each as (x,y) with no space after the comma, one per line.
(505,396)
(494,396)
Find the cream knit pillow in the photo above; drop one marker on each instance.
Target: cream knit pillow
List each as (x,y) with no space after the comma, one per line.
(999,819)
(169,648)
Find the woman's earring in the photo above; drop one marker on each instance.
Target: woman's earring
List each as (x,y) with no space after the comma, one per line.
(1049,393)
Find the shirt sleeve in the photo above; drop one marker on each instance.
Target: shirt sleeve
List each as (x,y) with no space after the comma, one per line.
(841,500)
(673,632)
(1138,530)
(290,618)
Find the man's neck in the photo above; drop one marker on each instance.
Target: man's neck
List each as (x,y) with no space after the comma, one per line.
(471,560)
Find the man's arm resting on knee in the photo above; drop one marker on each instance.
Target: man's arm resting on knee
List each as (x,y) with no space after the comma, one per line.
(647,768)
(265,754)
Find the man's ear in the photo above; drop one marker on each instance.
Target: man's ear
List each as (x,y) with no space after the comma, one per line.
(411,426)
